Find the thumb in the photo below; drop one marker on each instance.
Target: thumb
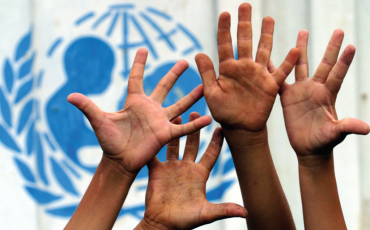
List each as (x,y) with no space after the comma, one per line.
(90,110)
(213,212)
(353,125)
(206,71)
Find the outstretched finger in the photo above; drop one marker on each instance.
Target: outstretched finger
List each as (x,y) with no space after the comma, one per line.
(192,142)
(135,81)
(185,103)
(301,68)
(352,126)
(330,57)
(153,162)
(225,47)
(191,127)
(286,67)
(265,44)
(340,69)
(174,145)
(166,83)
(271,67)
(213,150)
(206,71)
(245,31)
(91,111)
(212,212)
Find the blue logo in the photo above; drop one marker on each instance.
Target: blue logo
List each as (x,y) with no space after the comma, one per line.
(51,141)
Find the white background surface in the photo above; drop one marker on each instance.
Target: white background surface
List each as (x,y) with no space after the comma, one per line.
(51,19)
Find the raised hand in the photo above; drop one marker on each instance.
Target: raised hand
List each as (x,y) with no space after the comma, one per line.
(176,194)
(134,135)
(245,89)
(309,104)
(314,130)
(241,100)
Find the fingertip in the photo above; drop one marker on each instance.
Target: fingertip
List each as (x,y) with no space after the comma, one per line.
(303,33)
(351,48)
(224,15)
(235,210)
(367,129)
(295,50)
(177,121)
(218,132)
(75,98)
(199,56)
(241,212)
(245,6)
(206,120)
(71,97)
(293,55)
(269,20)
(203,62)
(198,91)
(337,37)
(268,24)
(183,63)
(244,213)
(209,119)
(339,32)
(141,56)
(302,39)
(224,20)
(142,51)
(200,87)
(348,54)
(193,116)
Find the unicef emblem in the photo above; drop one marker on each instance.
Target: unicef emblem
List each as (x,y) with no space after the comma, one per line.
(54,147)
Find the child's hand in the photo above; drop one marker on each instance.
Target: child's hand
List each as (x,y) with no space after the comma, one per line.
(176,194)
(243,95)
(134,135)
(309,104)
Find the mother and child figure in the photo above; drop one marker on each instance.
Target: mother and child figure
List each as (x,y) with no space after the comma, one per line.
(240,100)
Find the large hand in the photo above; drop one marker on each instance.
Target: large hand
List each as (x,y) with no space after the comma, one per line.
(243,95)
(309,104)
(176,194)
(135,134)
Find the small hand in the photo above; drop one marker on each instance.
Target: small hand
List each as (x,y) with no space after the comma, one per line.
(176,194)
(309,104)
(243,95)
(134,135)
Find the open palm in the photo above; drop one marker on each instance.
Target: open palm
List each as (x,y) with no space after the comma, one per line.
(135,134)
(245,90)
(176,194)
(309,104)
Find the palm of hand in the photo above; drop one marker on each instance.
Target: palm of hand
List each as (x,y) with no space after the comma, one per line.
(247,92)
(309,104)
(181,198)
(310,117)
(245,89)
(176,193)
(122,134)
(135,134)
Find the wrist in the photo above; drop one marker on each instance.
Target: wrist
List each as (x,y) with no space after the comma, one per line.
(315,161)
(116,171)
(146,225)
(245,138)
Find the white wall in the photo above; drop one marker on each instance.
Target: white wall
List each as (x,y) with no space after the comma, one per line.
(52,19)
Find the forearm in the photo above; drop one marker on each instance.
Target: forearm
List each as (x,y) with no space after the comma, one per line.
(103,199)
(320,199)
(262,193)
